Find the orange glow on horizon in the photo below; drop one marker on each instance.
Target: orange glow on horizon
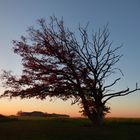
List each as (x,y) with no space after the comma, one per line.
(11,107)
(118,108)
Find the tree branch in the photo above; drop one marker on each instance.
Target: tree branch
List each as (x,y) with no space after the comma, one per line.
(120,93)
(111,84)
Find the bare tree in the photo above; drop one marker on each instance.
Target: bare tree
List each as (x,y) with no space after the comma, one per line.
(56,63)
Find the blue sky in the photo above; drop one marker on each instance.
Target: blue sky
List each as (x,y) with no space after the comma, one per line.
(124,24)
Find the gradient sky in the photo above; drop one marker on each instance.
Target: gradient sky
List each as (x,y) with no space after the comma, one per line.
(123,17)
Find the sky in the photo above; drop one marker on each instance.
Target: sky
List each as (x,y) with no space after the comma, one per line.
(124,24)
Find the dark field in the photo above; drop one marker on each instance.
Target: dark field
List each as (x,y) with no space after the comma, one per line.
(68,129)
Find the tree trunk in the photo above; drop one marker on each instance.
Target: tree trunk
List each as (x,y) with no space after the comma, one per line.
(100,117)
(97,117)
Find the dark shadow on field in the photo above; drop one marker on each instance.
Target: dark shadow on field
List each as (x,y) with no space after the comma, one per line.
(69,129)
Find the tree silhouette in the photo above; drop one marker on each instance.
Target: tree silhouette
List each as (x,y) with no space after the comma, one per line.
(57,63)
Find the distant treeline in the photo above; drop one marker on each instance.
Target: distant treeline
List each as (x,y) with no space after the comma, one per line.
(40,114)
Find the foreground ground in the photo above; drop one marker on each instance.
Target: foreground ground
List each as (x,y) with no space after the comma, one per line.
(68,129)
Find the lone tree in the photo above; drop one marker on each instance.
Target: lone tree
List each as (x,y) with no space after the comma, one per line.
(56,63)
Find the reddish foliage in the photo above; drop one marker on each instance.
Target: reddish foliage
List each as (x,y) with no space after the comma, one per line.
(55,63)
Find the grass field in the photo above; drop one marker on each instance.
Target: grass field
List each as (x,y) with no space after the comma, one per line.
(68,129)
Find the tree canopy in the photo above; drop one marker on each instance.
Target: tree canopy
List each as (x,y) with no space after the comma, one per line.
(56,63)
